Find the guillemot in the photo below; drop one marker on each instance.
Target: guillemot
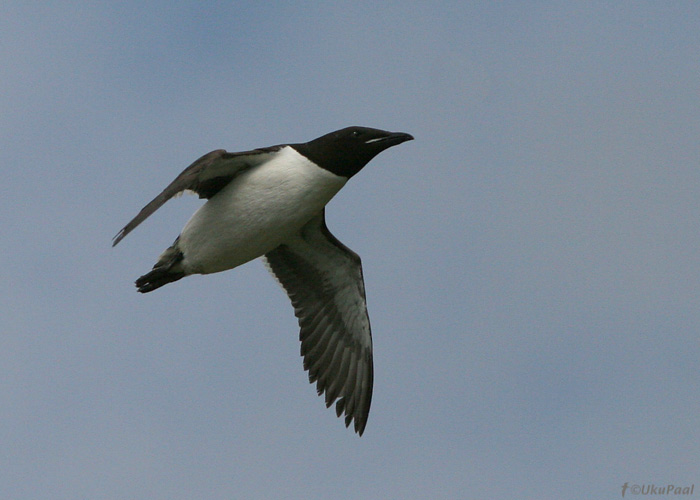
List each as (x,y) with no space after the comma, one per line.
(270,202)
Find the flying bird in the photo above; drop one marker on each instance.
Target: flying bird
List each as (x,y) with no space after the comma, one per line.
(270,202)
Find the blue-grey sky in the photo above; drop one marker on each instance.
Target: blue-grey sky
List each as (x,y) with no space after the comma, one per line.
(532,259)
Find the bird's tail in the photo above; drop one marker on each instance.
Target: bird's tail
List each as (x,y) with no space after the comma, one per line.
(166,270)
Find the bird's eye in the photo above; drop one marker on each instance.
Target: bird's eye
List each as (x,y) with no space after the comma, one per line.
(356,133)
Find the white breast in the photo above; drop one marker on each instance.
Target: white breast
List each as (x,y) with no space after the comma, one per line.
(256,212)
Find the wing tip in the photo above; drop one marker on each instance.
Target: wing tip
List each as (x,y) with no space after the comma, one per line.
(118,237)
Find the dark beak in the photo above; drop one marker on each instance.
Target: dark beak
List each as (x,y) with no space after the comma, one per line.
(392,139)
(399,137)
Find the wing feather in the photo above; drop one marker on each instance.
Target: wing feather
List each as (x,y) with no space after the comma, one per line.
(323,279)
(206,177)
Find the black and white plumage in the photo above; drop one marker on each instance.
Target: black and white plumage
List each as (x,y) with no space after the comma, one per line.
(270,203)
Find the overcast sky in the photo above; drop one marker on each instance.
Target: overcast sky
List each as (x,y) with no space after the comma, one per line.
(532,259)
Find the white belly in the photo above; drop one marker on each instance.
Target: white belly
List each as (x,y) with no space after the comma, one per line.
(256,212)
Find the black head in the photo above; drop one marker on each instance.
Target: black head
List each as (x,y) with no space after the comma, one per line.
(344,152)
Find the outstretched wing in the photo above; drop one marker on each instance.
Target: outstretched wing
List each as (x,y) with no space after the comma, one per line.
(323,278)
(206,177)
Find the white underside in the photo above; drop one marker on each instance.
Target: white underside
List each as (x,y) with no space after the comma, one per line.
(256,212)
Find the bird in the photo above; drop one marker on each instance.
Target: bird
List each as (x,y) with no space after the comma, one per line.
(270,202)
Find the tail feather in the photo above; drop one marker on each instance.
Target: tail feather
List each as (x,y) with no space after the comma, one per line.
(156,278)
(165,271)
